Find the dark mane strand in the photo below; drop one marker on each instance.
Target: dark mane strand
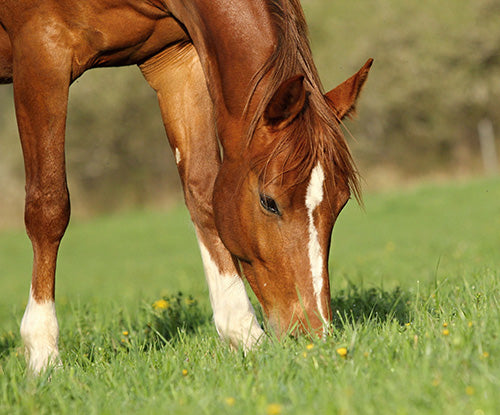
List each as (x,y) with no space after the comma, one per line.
(315,135)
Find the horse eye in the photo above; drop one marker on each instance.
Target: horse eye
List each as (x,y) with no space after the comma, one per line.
(269,204)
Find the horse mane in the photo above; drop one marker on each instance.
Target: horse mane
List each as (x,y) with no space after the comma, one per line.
(315,135)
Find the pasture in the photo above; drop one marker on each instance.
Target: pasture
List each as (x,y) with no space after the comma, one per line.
(415,286)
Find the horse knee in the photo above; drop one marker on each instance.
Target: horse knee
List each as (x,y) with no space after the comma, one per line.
(198,197)
(46,213)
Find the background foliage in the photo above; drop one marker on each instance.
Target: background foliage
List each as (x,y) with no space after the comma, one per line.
(436,74)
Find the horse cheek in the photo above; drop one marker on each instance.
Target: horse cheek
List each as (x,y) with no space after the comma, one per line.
(226,215)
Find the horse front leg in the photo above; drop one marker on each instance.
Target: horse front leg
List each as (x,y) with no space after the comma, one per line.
(41,81)
(187,112)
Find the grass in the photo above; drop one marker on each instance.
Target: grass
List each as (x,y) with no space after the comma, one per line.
(415,291)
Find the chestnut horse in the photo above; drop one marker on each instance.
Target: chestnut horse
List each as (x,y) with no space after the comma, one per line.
(235,75)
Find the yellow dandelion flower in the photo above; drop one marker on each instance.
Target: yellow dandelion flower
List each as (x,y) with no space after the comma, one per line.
(304,354)
(274,409)
(445,324)
(310,346)
(446,332)
(161,304)
(189,301)
(470,324)
(184,372)
(390,246)
(125,333)
(342,351)
(230,401)
(486,354)
(469,390)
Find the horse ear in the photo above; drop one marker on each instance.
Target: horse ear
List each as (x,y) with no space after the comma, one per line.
(343,98)
(286,103)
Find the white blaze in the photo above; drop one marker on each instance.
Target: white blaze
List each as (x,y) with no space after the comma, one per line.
(314,197)
(40,332)
(234,316)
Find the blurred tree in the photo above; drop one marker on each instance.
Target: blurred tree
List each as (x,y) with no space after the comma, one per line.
(116,143)
(436,74)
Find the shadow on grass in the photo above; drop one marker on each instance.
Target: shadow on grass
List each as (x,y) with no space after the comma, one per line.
(170,317)
(8,341)
(358,305)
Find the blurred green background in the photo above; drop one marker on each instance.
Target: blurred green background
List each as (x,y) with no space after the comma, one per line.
(436,76)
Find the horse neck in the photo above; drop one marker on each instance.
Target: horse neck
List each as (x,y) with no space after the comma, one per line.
(234,39)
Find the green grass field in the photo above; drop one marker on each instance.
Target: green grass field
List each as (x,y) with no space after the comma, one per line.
(416,290)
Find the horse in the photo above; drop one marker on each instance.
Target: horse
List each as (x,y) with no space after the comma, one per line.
(264,165)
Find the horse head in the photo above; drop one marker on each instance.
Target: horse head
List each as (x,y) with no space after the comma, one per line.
(276,203)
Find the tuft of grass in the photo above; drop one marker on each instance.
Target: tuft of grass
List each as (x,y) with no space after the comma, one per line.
(169,316)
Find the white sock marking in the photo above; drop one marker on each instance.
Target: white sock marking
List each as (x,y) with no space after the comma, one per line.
(234,315)
(314,197)
(40,333)
(177,156)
